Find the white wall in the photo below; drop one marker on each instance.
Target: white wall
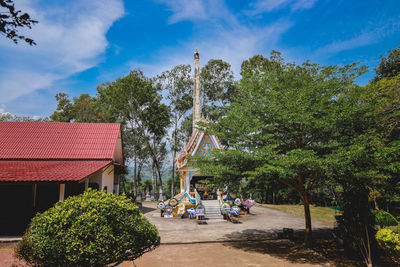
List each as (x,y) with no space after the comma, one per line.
(107,178)
(96,178)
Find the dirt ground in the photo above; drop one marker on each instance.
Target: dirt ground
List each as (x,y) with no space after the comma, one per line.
(7,256)
(213,254)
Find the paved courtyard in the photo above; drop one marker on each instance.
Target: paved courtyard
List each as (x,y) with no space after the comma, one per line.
(260,224)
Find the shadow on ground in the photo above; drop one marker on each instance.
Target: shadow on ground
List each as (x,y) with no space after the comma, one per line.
(323,251)
(145,209)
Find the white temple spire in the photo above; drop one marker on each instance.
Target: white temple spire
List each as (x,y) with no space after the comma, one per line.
(196,90)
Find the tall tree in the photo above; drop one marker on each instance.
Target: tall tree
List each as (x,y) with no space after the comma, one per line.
(179,83)
(218,87)
(281,122)
(135,100)
(11,20)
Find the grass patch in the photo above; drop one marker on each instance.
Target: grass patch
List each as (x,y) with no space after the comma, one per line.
(323,214)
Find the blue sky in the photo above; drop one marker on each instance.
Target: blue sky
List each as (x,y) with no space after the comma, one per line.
(81,44)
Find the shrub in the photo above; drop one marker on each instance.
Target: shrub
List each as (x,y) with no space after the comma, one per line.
(390,242)
(383,218)
(92,229)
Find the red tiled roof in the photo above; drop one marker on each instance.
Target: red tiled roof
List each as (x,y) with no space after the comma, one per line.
(48,171)
(57,140)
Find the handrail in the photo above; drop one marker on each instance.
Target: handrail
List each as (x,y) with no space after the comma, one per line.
(197,197)
(219,197)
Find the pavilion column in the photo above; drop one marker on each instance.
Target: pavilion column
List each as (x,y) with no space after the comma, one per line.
(181,175)
(86,184)
(34,190)
(62,192)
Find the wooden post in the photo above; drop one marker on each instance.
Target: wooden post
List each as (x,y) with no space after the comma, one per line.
(62,192)
(34,189)
(86,184)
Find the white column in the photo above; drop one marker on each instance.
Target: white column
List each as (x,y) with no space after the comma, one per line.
(187,185)
(62,192)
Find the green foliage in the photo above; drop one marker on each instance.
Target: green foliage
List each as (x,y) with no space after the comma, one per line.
(91,229)
(82,109)
(356,224)
(11,117)
(383,218)
(283,124)
(135,100)
(178,82)
(12,19)
(389,65)
(218,88)
(390,242)
(146,185)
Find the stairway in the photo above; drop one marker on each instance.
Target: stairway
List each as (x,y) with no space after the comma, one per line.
(212,210)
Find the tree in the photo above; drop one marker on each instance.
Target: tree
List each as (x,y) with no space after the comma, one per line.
(218,88)
(384,98)
(82,109)
(63,112)
(179,83)
(11,20)
(282,122)
(11,117)
(91,229)
(134,100)
(389,65)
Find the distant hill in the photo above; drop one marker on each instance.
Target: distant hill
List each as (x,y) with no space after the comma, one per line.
(147,173)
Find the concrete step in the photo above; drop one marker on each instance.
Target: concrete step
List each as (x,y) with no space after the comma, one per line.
(212,211)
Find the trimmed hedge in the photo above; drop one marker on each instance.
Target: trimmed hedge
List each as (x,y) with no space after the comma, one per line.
(91,229)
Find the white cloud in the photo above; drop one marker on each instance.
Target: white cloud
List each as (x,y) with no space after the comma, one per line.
(185,10)
(220,36)
(262,6)
(232,46)
(303,4)
(3,109)
(368,36)
(70,39)
(339,46)
(198,10)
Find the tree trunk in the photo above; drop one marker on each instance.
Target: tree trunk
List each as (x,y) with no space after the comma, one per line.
(307,216)
(303,191)
(135,173)
(154,181)
(173,175)
(139,179)
(159,174)
(376,204)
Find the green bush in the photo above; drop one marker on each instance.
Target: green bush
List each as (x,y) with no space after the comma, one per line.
(395,229)
(390,242)
(383,218)
(92,229)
